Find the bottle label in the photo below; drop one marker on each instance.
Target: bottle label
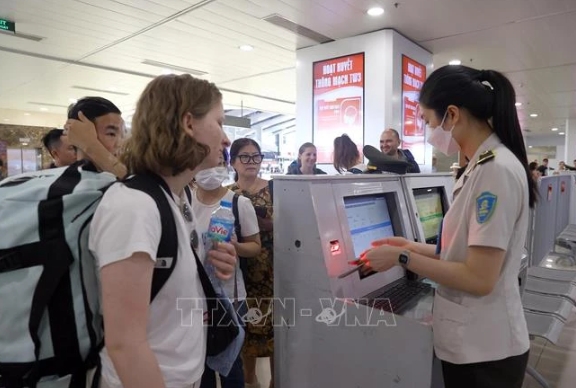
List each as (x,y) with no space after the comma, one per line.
(220,230)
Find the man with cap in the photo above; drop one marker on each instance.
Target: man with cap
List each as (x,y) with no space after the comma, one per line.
(389,145)
(95,126)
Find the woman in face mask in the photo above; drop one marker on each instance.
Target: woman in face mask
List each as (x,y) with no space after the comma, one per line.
(206,196)
(479,328)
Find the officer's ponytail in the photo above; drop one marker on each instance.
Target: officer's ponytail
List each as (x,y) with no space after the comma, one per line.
(505,121)
(488,96)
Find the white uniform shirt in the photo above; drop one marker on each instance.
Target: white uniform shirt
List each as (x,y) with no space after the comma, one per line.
(248,224)
(489,209)
(128,221)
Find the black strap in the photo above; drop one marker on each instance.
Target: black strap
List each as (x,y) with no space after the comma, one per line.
(55,278)
(241,260)
(271,189)
(237,226)
(155,186)
(209,291)
(15,375)
(188,192)
(238,231)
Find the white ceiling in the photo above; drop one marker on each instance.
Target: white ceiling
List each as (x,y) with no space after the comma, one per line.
(100,44)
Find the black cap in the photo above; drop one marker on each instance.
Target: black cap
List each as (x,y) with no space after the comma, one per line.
(379,162)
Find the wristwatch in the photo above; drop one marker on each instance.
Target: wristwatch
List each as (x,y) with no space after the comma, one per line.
(404,258)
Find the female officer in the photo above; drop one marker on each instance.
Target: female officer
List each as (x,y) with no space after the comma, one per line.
(479,328)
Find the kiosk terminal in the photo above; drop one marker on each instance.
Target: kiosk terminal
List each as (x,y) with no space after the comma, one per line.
(429,197)
(351,325)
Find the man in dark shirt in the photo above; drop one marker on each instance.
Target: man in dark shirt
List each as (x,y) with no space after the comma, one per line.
(544,167)
(389,145)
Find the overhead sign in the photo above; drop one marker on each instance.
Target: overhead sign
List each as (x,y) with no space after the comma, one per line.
(413,136)
(7,25)
(338,93)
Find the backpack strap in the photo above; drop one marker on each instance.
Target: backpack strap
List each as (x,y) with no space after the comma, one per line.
(155,187)
(271,189)
(237,226)
(238,230)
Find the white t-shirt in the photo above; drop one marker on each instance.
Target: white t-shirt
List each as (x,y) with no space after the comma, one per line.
(128,221)
(248,223)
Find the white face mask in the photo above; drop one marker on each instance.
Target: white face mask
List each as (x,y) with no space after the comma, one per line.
(211,178)
(443,140)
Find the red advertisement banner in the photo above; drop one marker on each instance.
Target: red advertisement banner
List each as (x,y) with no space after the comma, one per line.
(338,93)
(413,136)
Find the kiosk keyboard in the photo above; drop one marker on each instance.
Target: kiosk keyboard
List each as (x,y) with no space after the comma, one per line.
(397,296)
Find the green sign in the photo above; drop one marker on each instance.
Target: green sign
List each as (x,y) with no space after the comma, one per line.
(6,25)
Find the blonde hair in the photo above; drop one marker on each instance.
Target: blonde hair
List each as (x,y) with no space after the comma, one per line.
(158,138)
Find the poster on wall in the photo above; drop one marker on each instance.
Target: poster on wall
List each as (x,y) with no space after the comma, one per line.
(338,95)
(413,129)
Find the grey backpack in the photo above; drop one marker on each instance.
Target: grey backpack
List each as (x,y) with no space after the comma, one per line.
(50,324)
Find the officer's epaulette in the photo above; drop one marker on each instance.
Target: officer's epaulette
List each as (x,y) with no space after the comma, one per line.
(486,156)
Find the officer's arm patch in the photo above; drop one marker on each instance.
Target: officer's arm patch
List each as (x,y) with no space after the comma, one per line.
(485,206)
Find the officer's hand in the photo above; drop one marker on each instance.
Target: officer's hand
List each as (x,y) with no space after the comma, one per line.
(380,258)
(81,133)
(223,257)
(400,242)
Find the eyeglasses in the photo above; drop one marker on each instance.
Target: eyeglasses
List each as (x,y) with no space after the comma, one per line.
(187,213)
(245,159)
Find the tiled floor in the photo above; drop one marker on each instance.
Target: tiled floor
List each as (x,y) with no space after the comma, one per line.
(556,363)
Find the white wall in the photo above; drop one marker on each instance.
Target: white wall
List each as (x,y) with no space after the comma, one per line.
(382,81)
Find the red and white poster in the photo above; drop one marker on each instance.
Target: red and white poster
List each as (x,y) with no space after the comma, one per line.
(338,93)
(413,132)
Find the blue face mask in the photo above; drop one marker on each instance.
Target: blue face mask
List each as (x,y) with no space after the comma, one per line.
(442,139)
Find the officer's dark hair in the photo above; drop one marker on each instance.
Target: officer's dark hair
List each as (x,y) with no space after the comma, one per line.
(346,153)
(544,160)
(92,108)
(485,94)
(52,139)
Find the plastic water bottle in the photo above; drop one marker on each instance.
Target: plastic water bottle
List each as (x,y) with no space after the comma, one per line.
(220,229)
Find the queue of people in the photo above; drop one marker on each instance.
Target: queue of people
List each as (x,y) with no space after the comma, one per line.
(177,138)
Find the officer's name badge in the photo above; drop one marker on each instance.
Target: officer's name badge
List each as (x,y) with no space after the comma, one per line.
(485,205)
